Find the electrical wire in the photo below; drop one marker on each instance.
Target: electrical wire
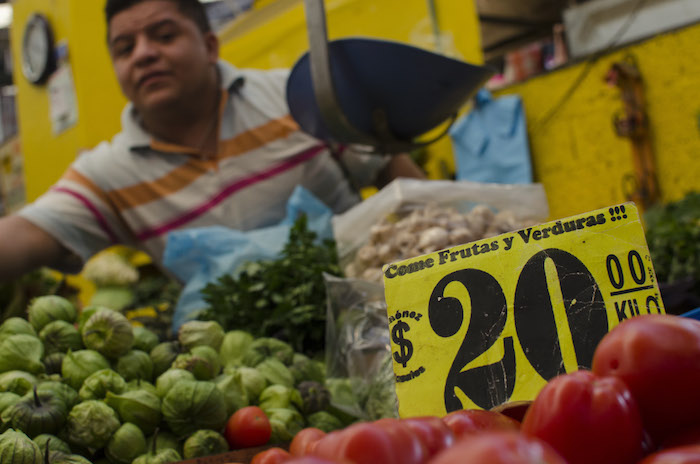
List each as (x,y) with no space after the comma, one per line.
(589,66)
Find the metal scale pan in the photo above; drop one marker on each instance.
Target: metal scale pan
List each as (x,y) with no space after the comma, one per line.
(377,93)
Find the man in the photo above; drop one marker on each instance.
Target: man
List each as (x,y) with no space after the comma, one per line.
(202,143)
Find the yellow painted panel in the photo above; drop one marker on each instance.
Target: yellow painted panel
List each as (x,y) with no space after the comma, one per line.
(45,155)
(99,97)
(576,153)
(81,25)
(274,35)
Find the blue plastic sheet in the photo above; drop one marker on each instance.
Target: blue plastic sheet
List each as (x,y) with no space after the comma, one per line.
(490,142)
(199,256)
(693,314)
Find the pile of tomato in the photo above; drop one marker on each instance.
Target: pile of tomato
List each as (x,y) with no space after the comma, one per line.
(639,404)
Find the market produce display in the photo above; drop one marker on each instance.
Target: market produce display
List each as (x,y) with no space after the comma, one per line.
(422,230)
(92,385)
(87,386)
(114,278)
(139,290)
(283,298)
(673,234)
(637,405)
(16,295)
(248,427)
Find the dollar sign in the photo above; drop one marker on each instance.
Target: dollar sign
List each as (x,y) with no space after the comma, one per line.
(405,347)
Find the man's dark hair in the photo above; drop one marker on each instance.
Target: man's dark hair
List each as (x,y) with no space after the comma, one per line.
(190,8)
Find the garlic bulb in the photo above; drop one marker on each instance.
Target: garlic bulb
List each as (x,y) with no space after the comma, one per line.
(420,230)
(434,238)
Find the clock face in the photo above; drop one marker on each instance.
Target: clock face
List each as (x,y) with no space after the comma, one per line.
(37,50)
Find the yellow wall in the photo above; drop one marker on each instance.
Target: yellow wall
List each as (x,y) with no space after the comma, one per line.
(99,100)
(578,157)
(275,36)
(272,35)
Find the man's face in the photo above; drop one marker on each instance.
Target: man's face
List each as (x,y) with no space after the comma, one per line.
(160,57)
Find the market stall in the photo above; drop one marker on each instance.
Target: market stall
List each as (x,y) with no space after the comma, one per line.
(323,373)
(436,321)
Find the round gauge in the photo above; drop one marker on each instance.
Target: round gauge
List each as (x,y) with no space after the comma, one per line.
(38,61)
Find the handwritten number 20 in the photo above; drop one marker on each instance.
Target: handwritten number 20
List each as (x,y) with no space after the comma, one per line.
(493,384)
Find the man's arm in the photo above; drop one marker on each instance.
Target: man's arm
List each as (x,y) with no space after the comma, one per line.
(400,165)
(25,247)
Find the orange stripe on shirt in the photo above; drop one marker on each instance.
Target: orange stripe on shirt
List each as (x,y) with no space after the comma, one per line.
(257,137)
(173,148)
(145,192)
(241,143)
(178,178)
(74,176)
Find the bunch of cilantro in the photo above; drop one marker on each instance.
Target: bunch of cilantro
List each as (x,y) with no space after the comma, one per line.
(673,236)
(283,298)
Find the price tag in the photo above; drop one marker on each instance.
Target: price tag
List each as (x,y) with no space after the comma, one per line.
(489,322)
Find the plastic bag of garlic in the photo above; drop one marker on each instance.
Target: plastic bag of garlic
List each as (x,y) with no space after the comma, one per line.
(411,217)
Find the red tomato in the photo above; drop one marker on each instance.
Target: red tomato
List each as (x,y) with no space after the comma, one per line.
(271,456)
(432,432)
(372,443)
(587,419)
(689,454)
(498,447)
(658,357)
(304,441)
(247,427)
(313,460)
(466,422)
(406,442)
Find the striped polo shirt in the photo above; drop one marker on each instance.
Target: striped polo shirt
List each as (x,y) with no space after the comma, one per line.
(134,190)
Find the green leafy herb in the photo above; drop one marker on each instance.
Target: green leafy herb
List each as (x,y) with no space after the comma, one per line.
(283,298)
(673,235)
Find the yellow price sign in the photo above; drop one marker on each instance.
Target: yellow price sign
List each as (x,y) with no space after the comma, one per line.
(489,322)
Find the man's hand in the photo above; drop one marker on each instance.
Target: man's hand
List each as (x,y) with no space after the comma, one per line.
(400,165)
(25,247)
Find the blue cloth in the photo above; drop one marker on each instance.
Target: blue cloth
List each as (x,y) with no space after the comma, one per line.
(199,256)
(490,142)
(693,314)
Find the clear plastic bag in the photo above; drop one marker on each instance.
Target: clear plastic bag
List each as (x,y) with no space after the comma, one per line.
(352,228)
(358,346)
(358,349)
